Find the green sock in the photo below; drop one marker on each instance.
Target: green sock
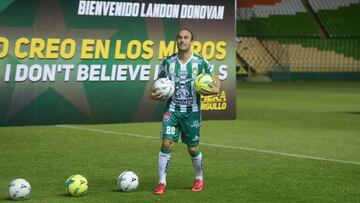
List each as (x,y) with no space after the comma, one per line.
(195,154)
(165,150)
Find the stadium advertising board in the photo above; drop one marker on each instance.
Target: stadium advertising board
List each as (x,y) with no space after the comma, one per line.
(68,62)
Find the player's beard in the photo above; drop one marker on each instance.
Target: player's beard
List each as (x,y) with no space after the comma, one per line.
(184,49)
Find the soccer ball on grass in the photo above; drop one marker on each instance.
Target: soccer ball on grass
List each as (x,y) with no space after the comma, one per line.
(77,185)
(128,181)
(19,189)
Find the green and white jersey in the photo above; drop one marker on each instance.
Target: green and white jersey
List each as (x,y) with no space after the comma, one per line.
(185,98)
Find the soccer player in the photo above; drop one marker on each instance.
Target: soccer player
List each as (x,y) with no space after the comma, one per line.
(182,113)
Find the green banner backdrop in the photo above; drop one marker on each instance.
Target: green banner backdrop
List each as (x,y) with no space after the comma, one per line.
(78,61)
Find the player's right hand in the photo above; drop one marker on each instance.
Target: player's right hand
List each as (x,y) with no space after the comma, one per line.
(157,96)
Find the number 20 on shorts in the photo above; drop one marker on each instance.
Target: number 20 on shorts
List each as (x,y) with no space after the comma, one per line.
(170,130)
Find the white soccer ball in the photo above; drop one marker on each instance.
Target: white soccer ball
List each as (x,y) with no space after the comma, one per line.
(165,87)
(128,181)
(19,189)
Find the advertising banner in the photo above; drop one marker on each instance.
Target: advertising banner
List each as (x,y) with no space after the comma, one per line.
(79,61)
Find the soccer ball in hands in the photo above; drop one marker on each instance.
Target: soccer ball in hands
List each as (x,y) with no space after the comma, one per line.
(165,87)
(204,81)
(128,181)
(77,185)
(19,189)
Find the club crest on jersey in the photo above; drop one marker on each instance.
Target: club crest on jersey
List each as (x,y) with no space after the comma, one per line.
(166,117)
(195,71)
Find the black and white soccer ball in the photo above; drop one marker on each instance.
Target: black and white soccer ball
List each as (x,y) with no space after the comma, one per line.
(19,189)
(128,181)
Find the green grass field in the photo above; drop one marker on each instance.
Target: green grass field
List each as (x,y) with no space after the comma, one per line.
(292,142)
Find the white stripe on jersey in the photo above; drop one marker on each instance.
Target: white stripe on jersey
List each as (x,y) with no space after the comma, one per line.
(172,67)
(183,68)
(195,107)
(172,107)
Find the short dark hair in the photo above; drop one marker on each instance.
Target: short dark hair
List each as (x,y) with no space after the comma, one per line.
(187,29)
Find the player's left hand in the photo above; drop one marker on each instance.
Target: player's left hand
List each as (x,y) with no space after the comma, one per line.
(207,92)
(212,91)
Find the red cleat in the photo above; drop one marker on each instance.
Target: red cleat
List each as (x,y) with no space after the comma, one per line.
(198,185)
(160,189)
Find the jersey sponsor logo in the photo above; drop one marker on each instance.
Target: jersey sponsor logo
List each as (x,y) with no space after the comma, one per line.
(182,92)
(183,96)
(185,102)
(183,74)
(166,117)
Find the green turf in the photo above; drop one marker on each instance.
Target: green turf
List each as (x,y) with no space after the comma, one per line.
(316,119)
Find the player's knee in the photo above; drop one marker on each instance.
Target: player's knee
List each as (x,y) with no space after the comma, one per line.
(166,146)
(193,151)
(167,143)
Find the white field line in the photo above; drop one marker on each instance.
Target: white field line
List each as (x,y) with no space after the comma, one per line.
(216,145)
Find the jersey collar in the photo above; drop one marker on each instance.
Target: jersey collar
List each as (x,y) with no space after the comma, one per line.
(177,57)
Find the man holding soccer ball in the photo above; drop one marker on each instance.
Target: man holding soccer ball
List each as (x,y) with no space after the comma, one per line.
(182,113)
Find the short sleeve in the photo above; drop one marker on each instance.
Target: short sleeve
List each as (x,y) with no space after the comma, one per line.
(207,67)
(162,70)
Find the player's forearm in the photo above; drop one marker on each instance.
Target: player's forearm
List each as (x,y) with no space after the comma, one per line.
(216,89)
(217,83)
